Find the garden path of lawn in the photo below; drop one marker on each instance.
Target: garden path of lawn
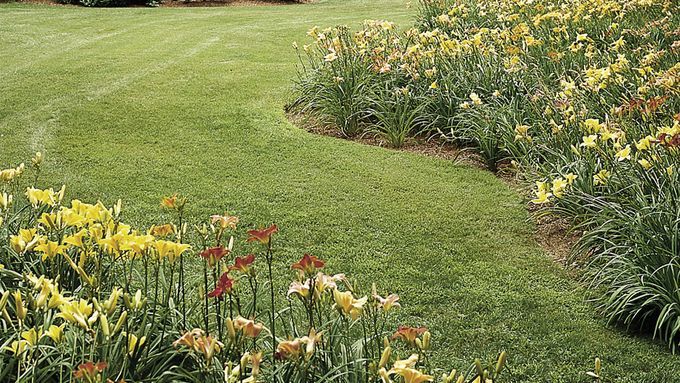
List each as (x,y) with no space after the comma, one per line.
(139,103)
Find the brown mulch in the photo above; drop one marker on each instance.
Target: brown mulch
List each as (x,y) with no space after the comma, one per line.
(427,146)
(553,233)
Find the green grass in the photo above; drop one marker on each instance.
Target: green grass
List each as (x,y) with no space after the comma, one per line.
(138,103)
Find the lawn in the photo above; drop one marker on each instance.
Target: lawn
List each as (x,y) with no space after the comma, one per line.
(138,103)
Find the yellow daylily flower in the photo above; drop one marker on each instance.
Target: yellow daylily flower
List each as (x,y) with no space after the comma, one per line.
(571,177)
(17,347)
(170,250)
(50,249)
(644,143)
(330,57)
(26,240)
(558,187)
(403,364)
(32,336)
(76,239)
(47,197)
(55,332)
(601,177)
(347,304)
(645,164)
(78,313)
(522,132)
(593,125)
(542,197)
(310,342)
(589,141)
(623,154)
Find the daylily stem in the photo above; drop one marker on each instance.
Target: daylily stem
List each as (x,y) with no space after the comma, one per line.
(273,307)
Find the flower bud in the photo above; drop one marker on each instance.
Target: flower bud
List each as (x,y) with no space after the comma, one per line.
(121,321)
(116,208)
(3,300)
(427,336)
(93,318)
(104,324)
(501,362)
(452,376)
(244,360)
(5,201)
(385,358)
(230,329)
(19,303)
(96,304)
(37,159)
(478,367)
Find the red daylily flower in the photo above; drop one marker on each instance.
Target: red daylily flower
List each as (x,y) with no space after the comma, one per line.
(308,264)
(263,235)
(408,334)
(243,264)
(214,254)
(224,285)
(668,140)
(89,371)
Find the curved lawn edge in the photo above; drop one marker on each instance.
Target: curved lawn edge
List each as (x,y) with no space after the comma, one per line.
(455,242)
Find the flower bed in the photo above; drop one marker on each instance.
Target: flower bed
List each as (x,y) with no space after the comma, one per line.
(86,297)
(579,97)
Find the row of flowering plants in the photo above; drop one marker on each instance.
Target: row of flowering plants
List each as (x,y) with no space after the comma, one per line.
(86,297)
(579,98)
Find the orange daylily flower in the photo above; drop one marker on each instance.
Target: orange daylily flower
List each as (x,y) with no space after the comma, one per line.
(263,235)
(412,375)
(162,230)
(174,202)
(208,346)
(408,334)
(308,264)
(199,342)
